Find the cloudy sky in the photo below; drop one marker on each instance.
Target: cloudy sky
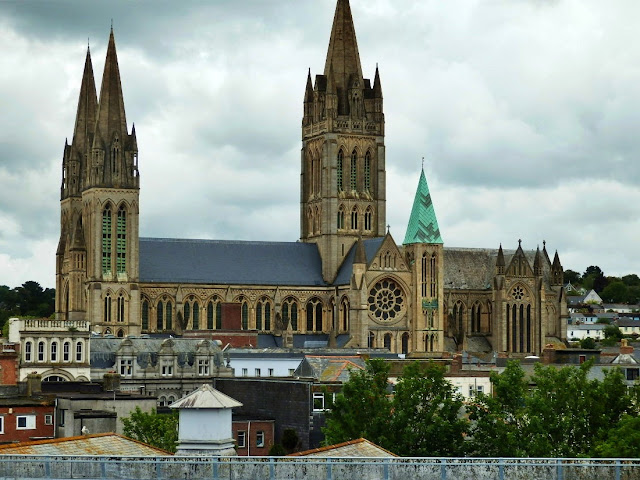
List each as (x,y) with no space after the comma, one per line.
(527,114)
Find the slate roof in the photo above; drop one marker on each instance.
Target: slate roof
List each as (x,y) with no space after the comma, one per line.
(371,247)
(360,448)
(206,397)
(111,444)
(474,268)
(423,224)
(223,262)
(329,368)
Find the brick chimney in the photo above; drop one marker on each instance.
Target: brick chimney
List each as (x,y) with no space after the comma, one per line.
(34,384)
(548,354)
(625,348)
(456,363)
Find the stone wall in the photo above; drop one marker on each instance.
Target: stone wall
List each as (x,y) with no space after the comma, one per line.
(238,468)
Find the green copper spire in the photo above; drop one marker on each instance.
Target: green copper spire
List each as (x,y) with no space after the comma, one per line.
(423,224)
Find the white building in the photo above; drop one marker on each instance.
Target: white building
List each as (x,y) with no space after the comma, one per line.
(578,332)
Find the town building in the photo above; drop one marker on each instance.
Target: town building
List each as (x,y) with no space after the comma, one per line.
(345,283)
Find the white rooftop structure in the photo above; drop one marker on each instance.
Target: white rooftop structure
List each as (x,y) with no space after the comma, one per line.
(206,397)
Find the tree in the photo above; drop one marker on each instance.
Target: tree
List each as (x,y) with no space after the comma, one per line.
(290,440)
(426,417)
(615,292)
(631,280)
(623,441)
(588,343)
(572,277)
(157,429)
(499,420)
(363,408)
(613,332)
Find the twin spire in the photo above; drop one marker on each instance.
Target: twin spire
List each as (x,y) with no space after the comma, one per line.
(102,152)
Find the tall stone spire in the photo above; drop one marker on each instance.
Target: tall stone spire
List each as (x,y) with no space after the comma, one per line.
(343,47)
(423,224)
(76,155)
(111,117)
(114,154)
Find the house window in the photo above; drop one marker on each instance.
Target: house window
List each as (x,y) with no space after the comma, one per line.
(79,352)
(167,370)
(27,351)
(66,348)
(48,419)
(257,372)
(1,424)
(271,372)
(260,438)
(242,439)
(54,351)
(61,417)
(25,422)
(126,368)
(203,367)
(245,372)
(633,373)
(318,402)
(41,351)
(582,358)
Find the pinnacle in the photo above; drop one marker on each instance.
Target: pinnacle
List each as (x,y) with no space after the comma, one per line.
(343,54)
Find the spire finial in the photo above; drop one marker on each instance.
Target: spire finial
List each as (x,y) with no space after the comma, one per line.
(423,163)
(388,228)
(544,243)
(112,25)
(519,242)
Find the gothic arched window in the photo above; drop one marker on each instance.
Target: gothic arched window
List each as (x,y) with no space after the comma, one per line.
(314,315)
(354,219)
(214,314)
(120,312)
(169,316)
(367,219)
(263,314)
(121,241)
(160,317)
(340,171)
(244,314)
(344,313)
(353,179)
(341,218)
(290,313)
(106,240)
(367,172)
(145,315)
(387,341)
(107,308)
(405,343)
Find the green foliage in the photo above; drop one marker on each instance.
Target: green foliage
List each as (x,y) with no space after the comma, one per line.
(277,450)
(622,441)
(615,292)
(588,343)
(157,429)
(501,417)
(572,277)
(631,280)
(28,300)
(612,332)
(423,418)
(565,415)
(426,417)
(363,408)
(290,440)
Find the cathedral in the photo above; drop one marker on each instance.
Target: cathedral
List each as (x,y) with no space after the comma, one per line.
(345,283)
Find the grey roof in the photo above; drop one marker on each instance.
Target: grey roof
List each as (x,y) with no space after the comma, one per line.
(474,268)
(206,397)
(329,368)
(165,260)
(371,246)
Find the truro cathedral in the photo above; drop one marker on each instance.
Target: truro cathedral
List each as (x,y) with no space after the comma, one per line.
(345,283)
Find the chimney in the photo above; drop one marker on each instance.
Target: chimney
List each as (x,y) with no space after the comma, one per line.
(548,354)
(456,363)
(34,384)
(111,382)
(625,348)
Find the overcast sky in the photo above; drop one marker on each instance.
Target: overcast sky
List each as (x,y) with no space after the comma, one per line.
(527,113)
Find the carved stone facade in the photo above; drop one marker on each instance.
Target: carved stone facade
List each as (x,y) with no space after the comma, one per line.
(346,283)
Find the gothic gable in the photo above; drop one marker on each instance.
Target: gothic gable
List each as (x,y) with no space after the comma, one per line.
(388,257)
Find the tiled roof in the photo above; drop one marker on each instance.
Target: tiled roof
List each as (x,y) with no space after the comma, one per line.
(96,444)
(164,260)
(423,224)
(206,397)
(360,448)
(329,368)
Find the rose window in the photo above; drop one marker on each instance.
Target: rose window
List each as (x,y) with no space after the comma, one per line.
(385,300)
(517,293)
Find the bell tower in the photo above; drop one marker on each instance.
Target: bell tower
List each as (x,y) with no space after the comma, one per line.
(343,189)
(97,258)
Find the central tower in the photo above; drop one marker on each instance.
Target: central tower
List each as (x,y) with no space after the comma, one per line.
(342,186)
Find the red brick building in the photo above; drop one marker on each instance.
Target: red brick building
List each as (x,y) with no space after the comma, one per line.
(253,438)
(23,419)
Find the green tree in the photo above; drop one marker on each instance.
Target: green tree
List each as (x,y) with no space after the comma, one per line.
(623,441)
(426,418)
(500,417)
(363,408)
(631,280)
(615,292)
(572,276)
(612,332)
(157,429)
(588,343)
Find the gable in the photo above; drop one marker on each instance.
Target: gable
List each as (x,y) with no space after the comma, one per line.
(388,257)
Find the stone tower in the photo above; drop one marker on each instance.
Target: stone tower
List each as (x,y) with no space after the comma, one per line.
(343,191)
(423,248)
(97,257)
